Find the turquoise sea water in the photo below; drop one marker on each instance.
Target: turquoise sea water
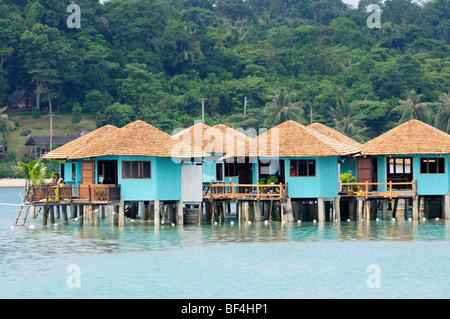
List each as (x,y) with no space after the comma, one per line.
(325,260)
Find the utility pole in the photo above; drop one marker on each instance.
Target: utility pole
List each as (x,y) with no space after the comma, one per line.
(51,115)
(310,112)
(245,105)
(203,99)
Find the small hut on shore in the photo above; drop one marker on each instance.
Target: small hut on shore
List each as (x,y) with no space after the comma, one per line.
(22,100)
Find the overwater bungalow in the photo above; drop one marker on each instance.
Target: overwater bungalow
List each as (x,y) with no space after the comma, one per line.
(293,163)
(409,161)
(115,167)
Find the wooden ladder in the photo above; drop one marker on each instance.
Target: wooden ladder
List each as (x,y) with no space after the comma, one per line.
(20,217)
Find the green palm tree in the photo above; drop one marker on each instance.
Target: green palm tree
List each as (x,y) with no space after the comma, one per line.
(33,172)
(347,120)
(283,107)
(442,120)
(411,108)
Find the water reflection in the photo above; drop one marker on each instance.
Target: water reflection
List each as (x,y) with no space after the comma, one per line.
(139,237)
(48,241)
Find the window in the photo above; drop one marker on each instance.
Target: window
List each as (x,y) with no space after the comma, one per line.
(432,165)
(399,165)
(136,169)
(302,167)
(231,169)
(74,171)
(219,176)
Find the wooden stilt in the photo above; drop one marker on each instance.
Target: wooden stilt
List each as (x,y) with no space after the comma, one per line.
(321,209)
(239,211)
(81,217)
(257,210)
(289,212)
(156,217)
(394,208)
(213,211)
(170,213)
(64,220)
(33,212)
(179,217)
(384,209)
(337,208)
(270,210)
(360,208)
(446,206)
(121,212)
(45,215)
(73,211)
(421,207)
(89,209)
(246,211)
(415,208)
(52,214)
(115,215)
(95,215)
(224,211)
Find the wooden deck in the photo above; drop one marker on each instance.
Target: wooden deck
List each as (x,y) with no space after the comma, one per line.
(84,194)
(235,192)
(393,190)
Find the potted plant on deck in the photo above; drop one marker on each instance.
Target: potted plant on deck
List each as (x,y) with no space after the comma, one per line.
(348,178)
(100,194)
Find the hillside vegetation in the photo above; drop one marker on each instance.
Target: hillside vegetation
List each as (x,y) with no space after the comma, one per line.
(306,60)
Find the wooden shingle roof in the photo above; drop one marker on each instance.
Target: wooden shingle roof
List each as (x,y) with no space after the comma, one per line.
(72,148)
(412,137)
(338,136)
(292,139)
(218,139)
(137,138)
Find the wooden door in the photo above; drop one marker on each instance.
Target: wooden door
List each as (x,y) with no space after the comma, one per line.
(245,173)
(87,172)
(363,170)
(87,178)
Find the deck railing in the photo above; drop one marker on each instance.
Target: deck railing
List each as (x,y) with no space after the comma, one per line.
(253,191)
(67,193)
(393,189)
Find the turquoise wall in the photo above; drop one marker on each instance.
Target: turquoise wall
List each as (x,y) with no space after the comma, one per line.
(427,184)
(68,173)
(431,184)
(164,184)
(209,171)
(324,184)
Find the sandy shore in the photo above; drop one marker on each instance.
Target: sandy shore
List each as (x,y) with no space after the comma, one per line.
(12,182)
(16,182)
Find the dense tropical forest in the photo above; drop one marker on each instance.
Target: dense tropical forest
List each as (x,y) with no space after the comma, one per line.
(255,63)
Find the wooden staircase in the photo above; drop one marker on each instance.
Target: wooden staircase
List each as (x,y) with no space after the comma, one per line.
(20,217)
